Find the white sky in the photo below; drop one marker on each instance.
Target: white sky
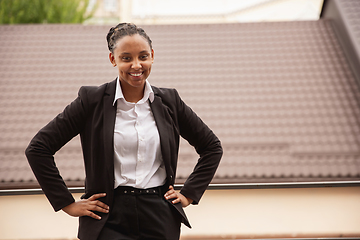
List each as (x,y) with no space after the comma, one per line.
(269,10)
(189,7)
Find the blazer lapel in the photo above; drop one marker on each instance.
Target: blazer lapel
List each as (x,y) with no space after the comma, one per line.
(158,112)
(109,126)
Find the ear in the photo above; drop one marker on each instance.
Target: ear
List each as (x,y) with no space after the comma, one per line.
(112,59)
(152,55)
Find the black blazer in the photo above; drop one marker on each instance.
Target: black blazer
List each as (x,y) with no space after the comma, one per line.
(92,115)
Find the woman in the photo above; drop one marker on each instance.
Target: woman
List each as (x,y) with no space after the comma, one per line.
(129,134)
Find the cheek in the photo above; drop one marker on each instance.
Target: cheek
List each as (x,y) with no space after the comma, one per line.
(123,67)
(148,65)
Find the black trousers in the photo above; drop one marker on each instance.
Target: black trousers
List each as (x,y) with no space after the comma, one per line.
(143,215)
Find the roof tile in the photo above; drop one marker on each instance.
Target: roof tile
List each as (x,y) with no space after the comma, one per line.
(280,96)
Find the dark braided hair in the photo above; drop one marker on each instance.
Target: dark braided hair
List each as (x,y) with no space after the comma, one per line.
(122,30)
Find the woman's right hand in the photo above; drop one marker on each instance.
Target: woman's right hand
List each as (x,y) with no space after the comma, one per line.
(86,207)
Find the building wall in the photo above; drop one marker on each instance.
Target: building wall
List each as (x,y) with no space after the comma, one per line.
(224,213)
(305,212)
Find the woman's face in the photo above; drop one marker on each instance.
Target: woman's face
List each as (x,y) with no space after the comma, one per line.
(133,58)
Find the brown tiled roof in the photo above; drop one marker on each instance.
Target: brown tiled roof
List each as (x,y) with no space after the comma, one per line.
(280,96)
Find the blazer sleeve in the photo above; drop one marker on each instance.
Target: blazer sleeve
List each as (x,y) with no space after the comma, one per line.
(206,144)
(41,150)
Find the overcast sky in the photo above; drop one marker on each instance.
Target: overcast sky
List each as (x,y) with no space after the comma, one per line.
(289,9)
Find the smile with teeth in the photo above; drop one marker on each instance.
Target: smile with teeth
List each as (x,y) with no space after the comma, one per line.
(135,74)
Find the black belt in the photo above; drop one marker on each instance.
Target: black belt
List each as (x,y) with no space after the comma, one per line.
(122,190)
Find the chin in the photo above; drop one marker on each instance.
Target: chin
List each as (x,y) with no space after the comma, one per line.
(139,83)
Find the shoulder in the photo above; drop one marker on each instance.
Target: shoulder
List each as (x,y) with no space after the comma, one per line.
(166,94)
(95,93)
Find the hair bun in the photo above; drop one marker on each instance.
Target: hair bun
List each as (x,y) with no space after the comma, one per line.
(124,29)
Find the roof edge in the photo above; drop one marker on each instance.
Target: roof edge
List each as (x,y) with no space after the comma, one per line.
(233,186)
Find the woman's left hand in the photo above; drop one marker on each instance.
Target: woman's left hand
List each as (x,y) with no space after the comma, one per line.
(171,193)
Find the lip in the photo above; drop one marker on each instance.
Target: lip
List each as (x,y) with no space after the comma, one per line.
(136,74)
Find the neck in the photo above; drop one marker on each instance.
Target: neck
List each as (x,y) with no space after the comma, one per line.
(132,94)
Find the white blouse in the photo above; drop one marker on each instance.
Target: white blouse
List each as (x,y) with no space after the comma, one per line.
(137,160)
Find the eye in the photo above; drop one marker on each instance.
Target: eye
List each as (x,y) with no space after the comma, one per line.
(143,57)
(125,59)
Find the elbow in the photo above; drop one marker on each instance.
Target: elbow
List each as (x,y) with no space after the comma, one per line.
(34,150)
(29,152)
(219,147)
(215,146)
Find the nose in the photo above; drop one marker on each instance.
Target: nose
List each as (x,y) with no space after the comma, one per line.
(136,64)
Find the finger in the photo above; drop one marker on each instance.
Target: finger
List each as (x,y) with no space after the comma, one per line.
(100,204)
(171,195)
(93,215)
(96,196)
(177,200)
(98,209)
(170,192)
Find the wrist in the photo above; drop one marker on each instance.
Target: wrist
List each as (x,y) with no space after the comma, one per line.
(189,200)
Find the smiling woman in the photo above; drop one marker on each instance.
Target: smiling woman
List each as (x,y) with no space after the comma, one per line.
(131,52)
(130,134)
(133,57)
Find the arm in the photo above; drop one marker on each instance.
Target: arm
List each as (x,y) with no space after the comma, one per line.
(40,154)
(207,145)
(41,150)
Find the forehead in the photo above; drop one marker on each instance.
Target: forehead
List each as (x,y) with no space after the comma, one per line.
(132,43)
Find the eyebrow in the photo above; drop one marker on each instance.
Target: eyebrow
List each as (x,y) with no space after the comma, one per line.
(145,51)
